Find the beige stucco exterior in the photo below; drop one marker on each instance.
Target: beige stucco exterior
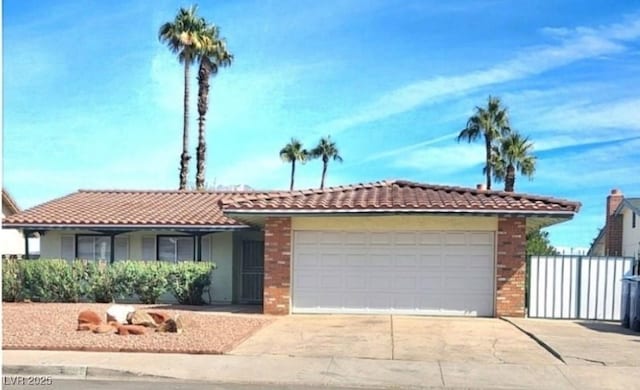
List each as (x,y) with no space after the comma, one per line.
(395,223)
(630,235)
(220,252)
(12,240)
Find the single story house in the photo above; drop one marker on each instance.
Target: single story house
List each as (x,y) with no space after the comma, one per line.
(620,235)
(385,247)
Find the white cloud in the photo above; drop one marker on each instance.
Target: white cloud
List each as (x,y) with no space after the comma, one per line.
(576,45)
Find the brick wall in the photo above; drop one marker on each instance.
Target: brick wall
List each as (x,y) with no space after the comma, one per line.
(510,267)
(277,265)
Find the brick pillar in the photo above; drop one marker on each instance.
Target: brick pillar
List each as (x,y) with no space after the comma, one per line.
(613,228)
(277,265)
(510,267)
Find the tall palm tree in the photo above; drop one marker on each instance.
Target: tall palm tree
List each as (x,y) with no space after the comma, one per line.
(490,123)
(213,56)
(514,153)
(292,152)
(185,36)
(326,150)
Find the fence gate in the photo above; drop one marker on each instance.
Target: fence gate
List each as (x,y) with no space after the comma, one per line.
(576,287)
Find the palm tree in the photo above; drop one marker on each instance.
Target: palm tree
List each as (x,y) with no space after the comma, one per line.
(326,150)
(513,153)
(213,56)
(491,123)
(185,36)
(292,152)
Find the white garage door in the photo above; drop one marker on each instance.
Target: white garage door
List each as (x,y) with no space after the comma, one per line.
(432,273)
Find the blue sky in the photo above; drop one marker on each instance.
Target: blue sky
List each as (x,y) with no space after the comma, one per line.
(93,100)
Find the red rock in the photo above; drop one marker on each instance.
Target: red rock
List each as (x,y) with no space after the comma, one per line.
(159,316)
(86,318)
(103,328)
(131,329)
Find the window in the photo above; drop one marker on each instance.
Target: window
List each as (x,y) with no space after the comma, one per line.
(93,247)
(98,247)
(175,248)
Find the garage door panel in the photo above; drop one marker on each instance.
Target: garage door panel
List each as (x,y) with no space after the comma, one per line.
(431,239)
(448,273)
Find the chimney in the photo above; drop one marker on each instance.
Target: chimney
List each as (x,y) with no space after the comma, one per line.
(480,187)
(613,233)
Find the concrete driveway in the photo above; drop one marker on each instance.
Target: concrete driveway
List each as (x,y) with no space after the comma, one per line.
(431,339)
(587,343)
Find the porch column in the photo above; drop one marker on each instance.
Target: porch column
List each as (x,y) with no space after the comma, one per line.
(112,252)
(277,265)
(26,234)
(510,267)
(199,246)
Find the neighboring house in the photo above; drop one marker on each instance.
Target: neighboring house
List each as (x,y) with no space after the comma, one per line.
(384,247)
(12,242)
(620,235)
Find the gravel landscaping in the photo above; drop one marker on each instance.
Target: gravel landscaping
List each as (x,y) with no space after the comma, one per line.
(52,326)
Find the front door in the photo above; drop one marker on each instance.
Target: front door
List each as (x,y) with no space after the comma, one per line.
(252,271)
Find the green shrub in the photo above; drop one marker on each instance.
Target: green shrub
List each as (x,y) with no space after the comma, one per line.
(11,280)
(125,275)
(102,286)
(53,280)
(188,280)
(151,280)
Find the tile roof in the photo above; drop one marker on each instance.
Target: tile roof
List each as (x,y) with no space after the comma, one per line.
(125,207)
(399,195)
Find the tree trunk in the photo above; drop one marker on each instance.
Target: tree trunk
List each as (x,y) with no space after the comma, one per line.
(293,173)
(324,173)
(184,158)
(487,144)
(203,101)
(510,180)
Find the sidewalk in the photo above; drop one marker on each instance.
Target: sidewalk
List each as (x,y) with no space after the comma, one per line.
(284,370)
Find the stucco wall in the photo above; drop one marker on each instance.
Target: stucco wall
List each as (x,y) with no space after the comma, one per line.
(221,253)
(395,223)
(630,235)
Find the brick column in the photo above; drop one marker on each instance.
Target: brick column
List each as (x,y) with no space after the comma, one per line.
(277,265)
(510,267)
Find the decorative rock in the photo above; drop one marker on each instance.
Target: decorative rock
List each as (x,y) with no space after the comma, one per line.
(122,331)
(131,329)
(169,326)
(87,319)
(118,313)
(179,324)
(140,317)
(103,328)
(159,316)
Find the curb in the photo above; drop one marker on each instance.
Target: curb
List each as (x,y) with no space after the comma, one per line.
(78,372)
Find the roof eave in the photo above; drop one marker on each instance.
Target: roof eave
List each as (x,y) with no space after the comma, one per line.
(281,212)
(61,226)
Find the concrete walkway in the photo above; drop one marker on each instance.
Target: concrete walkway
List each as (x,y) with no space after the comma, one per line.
(283,370)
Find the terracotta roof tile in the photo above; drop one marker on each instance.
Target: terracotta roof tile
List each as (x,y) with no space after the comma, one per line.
(398,195)
(125,207)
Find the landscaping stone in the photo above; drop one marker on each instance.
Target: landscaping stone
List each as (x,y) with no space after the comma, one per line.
(88,319)
(158,316)
(118,313)
(131,329)
(169,326)
(141,317)
(103,328)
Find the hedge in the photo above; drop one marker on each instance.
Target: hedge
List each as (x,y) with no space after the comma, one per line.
(72,281)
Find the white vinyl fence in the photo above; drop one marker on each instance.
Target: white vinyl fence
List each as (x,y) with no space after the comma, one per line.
(576,287)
